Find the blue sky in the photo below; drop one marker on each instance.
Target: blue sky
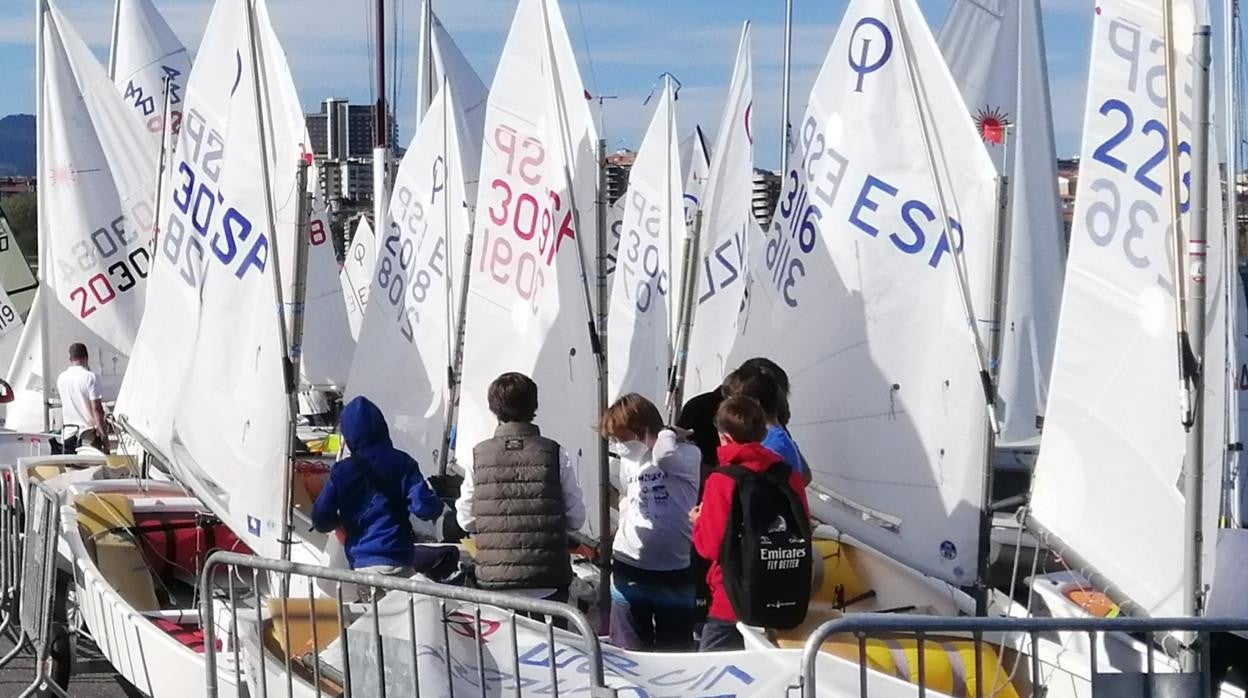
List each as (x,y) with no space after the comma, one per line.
(623,45)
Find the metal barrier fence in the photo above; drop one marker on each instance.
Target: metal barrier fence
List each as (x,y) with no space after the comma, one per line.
(403,637)
(37,587)
(11,537)
(933,630)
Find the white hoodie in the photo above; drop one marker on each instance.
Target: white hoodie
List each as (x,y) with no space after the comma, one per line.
(657,493)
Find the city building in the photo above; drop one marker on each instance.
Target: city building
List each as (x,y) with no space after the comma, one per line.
(16,185)
(618,165)
(341,136)
(766,193)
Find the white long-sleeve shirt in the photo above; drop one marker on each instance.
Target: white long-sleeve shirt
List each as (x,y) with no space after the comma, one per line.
(657,493)
(573,500)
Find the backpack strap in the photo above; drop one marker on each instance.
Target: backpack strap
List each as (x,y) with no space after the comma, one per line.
(778,472)
(736,471)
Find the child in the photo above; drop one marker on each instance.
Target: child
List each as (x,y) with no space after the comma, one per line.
(742,426)
(761,382)
(652,596)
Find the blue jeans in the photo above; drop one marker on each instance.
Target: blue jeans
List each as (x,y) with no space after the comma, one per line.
(651,610)
(720,636)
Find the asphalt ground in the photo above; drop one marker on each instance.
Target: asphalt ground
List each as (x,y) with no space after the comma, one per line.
(92,678)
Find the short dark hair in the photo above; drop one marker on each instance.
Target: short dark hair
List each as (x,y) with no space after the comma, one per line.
(513,398)
(771,368)
(757,384)
(632,415)
(77,352)
(741,418)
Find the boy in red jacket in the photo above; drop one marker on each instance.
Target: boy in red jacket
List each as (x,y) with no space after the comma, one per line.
(742,427)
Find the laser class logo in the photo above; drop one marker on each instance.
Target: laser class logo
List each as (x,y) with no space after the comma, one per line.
(992,123)
(870,47)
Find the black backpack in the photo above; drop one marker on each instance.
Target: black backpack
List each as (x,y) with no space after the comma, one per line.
(766,553)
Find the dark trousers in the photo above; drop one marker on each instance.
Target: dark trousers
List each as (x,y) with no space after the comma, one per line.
(651,610)
(1227,653)
(720,636)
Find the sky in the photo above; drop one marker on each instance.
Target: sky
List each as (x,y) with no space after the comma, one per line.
(622,47)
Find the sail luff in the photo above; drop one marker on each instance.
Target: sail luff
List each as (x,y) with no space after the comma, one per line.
(44,229)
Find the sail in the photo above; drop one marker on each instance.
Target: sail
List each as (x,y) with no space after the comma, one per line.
(97,182)
(15,275)
(327,341)
(727,225)
(1108,480)
(641,320)
(995,50)
(357,273)
(145,54)
(1240,404)
(695,164)
(526,293)
(441,60)
(229,433)
(409,326)
(856,293)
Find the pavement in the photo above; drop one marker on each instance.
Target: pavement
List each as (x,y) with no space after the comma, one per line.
(92,678)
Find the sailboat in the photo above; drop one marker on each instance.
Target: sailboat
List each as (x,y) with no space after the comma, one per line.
(150,66)
(15,274)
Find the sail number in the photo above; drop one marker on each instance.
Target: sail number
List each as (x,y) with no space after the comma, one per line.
(228,234)
(528,223)
(112,247)
(413,254)
(638,250)
(145,103)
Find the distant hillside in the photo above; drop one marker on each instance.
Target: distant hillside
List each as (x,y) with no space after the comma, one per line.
(17,145)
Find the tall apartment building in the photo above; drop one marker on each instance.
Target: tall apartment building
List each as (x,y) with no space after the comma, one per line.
(341,136)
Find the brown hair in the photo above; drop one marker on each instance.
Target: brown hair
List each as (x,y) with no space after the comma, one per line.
(742,419)
(513,398)
(77,352)
(631,414)
(753,382)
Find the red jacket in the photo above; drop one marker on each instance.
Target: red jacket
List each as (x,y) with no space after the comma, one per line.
(708,530)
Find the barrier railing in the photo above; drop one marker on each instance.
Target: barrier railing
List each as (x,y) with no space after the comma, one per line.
(11,537)
(37,588)
(360,634)
(928,631)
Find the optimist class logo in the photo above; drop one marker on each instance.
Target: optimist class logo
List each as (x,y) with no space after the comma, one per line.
(466,625)
(991,123)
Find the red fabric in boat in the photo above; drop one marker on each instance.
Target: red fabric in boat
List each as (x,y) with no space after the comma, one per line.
(172,542)
(189,635)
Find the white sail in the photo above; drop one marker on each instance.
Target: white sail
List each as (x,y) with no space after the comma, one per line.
(695,164)
(641,320)
(229,431)
(145,54)
(97,183)
(405,346)
(1240,364)
(995,50)
(357,273)
(856,293)
(327,342)
(16,277)
(527,308)
(441,60)
(727,227)
(1107,483)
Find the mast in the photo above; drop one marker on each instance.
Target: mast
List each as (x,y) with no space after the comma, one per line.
(289,373)
(785,89)
(604,468)
(459,308)
(1182,340)
(688,286)
(45,249)
(381,129)
(1194,465)
(424,64)
(112,44)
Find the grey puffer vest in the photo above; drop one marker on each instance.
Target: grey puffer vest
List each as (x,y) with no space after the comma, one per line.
(522,533)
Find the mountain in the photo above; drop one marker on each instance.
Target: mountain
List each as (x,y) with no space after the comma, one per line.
(17,145)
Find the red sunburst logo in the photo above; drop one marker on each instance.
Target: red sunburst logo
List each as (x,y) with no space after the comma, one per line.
(991,123)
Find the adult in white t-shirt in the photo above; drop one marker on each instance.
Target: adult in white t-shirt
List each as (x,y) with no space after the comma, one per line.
(82,412)
(653,606)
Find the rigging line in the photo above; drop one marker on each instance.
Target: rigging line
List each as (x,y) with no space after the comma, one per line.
(593,74)
(399,37)
(370,52)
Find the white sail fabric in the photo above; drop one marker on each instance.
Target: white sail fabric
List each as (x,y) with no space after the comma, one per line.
(727,226)
(1107,482)
(695,164)
(327,342)
(96,190)
(995,50)
(15,275)
(409,327)
(641,319)
(10,329)
(1240,404)
(357,273)
(145,53)
(443,61)
(527,308)
(231,419)
(855,292)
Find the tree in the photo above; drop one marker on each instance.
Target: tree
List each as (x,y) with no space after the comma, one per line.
(23,214)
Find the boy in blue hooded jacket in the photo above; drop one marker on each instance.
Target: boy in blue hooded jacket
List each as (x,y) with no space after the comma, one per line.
(370,493)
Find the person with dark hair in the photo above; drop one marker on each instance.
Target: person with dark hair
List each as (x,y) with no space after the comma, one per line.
(82,411)
(652,595)
(370,493)
(520,498)
(768,387)
(741,426)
